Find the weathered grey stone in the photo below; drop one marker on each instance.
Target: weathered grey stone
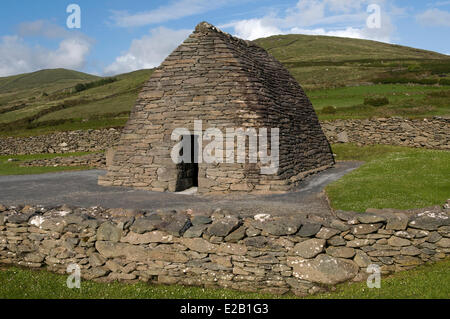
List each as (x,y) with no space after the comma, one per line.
(201,220)
(309,229)
(309,248)
(326,233)
(145,224)
(346,216)
(199,245)
(257,241)
(365,229)
(34,258)
(176,225)
(337,224)
(280,227)
(53,224)
(96,260)
(397,221)
(222,227)
(434,237)
(336,241)
(236,235)
(341,252)
(444,243)
(368,218)
(429,220)
(398,242)
(109,232)
(362,259)
(94,273)
(150,237)
(410,251)
(195,231)
(323,269)
(356,243)
(232,249)
(19,218)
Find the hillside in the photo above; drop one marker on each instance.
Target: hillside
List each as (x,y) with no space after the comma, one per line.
(323,62)
(338,74)
(43,78)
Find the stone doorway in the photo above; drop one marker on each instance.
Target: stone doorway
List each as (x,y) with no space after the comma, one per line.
(187,172)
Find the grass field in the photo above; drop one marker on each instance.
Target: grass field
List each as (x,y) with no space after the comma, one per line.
(411,101)
(422,282)
(392,177)
(14,168)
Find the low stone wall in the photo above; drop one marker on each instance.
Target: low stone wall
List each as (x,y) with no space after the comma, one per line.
(303,255)
(427,133)
(61,142)
(97,160)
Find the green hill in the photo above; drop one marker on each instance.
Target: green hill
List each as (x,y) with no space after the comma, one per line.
(43,78)
(340,75)
(322,61)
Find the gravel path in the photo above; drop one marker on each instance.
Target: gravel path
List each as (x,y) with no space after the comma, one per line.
(80,188)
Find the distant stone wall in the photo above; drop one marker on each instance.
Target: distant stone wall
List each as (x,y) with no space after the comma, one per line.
(96,160)
(61,142)
(431,133)
(276,255)
(427,133)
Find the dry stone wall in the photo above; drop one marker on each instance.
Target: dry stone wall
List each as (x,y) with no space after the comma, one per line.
(263,253)
(61,142)
(431,133)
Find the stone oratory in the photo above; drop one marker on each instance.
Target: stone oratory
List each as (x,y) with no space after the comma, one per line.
(214,80)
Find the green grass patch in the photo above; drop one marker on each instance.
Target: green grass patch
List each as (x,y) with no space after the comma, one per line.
(14,168)
(392,177)
(410,101)
(427,281)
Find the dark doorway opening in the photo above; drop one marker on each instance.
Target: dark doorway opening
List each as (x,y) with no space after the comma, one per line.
(187,170)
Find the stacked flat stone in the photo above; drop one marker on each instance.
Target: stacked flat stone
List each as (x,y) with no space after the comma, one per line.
(225,82)
(433,133)
(261,253)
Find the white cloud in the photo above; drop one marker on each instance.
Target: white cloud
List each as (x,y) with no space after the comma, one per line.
(172,11)
(434,17)
(148,51)
(318,17)
(16,56)
(253,29)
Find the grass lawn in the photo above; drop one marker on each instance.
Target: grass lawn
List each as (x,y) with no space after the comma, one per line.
(13,168)
(427,281)
(411,101)
(392,177)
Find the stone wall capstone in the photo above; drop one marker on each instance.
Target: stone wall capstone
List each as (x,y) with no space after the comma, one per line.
(261,253)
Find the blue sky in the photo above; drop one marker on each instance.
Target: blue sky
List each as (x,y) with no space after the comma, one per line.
(122,36)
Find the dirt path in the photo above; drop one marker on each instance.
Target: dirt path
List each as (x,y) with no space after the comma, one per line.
(80,189)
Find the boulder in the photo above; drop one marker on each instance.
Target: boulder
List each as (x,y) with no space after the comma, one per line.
(323,269)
